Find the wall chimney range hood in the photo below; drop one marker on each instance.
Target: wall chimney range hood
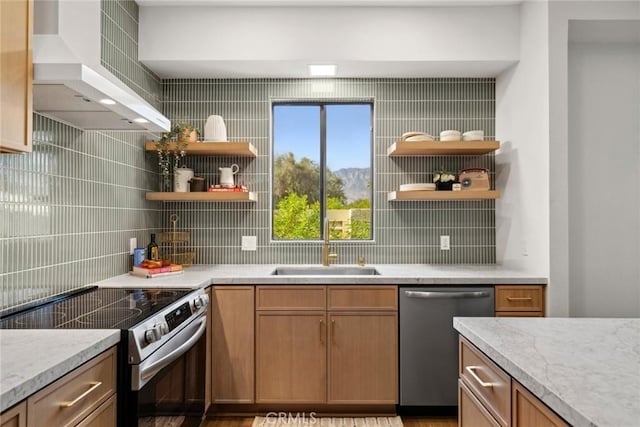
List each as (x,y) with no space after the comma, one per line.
(69,82)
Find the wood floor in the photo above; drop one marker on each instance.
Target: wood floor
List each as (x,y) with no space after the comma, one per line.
(407,421)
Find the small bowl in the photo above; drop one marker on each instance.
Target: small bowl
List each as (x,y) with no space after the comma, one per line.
(473,135)
(450,135)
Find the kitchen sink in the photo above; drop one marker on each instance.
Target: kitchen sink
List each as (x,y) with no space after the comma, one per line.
(325,271)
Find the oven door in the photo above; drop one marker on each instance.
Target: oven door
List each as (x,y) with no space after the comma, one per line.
(167,388)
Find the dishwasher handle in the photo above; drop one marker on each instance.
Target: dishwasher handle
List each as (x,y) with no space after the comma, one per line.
(442,295)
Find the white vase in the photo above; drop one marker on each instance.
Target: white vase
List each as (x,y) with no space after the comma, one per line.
(215,130)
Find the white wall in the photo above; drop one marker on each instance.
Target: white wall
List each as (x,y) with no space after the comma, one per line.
(559,15)
(604,179)
(522,164)
(209,36)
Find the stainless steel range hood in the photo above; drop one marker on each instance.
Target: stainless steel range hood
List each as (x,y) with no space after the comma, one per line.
(70,83)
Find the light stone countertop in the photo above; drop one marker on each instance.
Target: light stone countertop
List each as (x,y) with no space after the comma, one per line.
(397,274)
(31,359)
(587,370)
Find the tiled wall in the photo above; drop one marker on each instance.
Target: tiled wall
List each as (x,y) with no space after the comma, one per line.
(69,208)
(119,50)
(404,232)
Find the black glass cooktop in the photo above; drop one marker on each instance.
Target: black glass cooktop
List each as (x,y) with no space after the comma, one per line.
(98,308)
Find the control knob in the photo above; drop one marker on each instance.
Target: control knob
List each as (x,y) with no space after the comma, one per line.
(197,303)
(154,334)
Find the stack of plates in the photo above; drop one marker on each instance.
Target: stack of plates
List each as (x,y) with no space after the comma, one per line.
(417,136)
(418,187)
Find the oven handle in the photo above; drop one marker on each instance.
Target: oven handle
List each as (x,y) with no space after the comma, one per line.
(149,371)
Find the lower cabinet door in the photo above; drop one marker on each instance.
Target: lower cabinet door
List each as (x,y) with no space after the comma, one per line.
(363,358)
(291,357)
(529,411)
(15,417)
(103,416)
(471,413)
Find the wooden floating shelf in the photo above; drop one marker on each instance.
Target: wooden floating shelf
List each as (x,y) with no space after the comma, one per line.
(204,196)
(204,148)
(442,148)
(442,195)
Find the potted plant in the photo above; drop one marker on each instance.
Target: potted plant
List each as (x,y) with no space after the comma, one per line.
(444,180)
(169,154)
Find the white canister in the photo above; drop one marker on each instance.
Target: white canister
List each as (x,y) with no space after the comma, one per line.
(181,181)
(226,175)
(215,130)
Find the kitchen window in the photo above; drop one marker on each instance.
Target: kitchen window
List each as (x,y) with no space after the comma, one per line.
(322,167)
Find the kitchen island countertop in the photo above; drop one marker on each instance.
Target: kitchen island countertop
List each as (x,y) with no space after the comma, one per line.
(586,370)
(31,359)
(203,275)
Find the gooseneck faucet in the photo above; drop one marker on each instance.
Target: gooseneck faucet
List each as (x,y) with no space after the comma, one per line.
(327,255)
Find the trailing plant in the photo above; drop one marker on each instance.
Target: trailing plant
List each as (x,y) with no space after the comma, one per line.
(170,154)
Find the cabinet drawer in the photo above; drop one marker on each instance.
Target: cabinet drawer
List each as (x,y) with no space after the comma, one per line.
(529,411)
(520,298)
(471,413)
(490,384)
(104,416)
(362,298)
(291,297)
(74,396)
(519,314)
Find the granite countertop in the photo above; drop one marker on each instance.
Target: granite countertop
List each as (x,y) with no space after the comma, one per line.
(257,274)
(586,370)
(31,359)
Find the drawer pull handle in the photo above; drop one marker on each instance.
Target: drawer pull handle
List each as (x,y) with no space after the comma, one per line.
(519,299)
(471,371)
(94,386)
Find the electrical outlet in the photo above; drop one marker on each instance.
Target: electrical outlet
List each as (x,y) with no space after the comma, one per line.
(445,243)
(249,243)
(133,243)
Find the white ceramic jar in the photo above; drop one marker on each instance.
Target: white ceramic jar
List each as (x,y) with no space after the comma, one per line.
(181,180)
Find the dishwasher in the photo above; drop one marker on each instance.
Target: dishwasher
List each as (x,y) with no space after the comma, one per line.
(429,344)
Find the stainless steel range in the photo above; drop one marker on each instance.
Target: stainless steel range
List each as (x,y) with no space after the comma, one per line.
(161,356)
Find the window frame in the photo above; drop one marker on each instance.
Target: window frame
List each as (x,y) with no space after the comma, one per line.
(322,103)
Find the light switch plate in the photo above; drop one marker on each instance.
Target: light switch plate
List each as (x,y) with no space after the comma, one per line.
(445,243)
(133,243)
(249,243)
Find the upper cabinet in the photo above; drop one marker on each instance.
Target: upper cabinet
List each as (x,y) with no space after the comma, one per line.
(16,75)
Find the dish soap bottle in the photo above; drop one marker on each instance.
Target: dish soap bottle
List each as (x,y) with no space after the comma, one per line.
(152,249)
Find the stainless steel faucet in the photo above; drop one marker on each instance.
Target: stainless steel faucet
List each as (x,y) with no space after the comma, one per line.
(327,255)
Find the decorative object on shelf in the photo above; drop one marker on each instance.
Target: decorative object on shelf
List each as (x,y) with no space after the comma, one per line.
(182,178)
(171,148)
(181,256)
(473,135)
(197,184)
(450,135)
(417,136)
(226,175)
(215,130)
(444,180)
(475,179)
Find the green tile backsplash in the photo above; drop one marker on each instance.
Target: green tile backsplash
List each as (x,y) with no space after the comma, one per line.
(69,208)
(405,232)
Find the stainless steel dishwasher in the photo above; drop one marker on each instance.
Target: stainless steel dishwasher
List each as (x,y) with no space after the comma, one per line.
(429,344)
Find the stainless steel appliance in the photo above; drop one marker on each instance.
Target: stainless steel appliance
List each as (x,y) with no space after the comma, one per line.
(429,344)
(161,355)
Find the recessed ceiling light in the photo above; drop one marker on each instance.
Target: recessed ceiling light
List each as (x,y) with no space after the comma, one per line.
(107,101)
(140,120)
(322,70)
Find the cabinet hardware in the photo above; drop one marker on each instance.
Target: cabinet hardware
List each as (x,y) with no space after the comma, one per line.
(94,386)
(470,370)
(519,299)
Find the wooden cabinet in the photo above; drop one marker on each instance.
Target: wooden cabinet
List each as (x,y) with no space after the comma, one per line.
(15,417)
(291,356)
(85,397)
(232,324)
(488,396)
(528,411)
(16,75)
(520,301)
(363,357)
(327,344)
